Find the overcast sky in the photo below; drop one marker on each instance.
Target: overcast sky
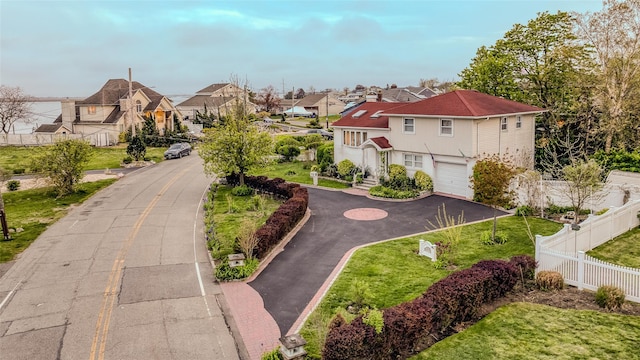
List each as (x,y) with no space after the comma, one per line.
(71,48)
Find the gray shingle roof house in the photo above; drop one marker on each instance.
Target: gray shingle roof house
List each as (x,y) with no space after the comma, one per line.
(108,112)
(318,104)
(217,99)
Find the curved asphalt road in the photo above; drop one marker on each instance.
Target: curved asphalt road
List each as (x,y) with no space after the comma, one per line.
(125,275)
(294,276)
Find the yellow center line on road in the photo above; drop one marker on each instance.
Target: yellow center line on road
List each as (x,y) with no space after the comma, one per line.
(111,291)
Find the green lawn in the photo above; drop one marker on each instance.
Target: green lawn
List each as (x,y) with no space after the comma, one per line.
(296,172)
(230,213)
(623,250)
(394,273)
(533,331)
(14,158)
(35,209)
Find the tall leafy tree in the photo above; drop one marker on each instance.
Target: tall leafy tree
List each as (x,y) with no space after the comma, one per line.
(614,35)
(542,63)
(237,147)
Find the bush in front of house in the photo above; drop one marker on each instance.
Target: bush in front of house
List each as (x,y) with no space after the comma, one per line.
(549,280)
(346,168)
(408,326)
(385,192)
(423,181)
(242,190)
(609,297)
(500,238)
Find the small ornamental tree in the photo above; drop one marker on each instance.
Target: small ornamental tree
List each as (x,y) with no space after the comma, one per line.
(136,148)
(490,183)
(583,179)
(63,163)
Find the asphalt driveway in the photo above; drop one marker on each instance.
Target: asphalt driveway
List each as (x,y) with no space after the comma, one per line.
(294,276)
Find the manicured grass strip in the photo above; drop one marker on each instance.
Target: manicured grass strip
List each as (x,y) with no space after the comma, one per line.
(533,331)
(19,157)
(35,209)
(231,211)
(295,172)
(393,272)
(623,250)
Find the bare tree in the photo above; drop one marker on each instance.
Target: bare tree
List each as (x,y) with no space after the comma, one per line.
(247,239)
(268,99)
(614,35)
(14,106)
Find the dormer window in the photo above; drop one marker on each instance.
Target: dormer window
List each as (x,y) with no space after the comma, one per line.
(138,106)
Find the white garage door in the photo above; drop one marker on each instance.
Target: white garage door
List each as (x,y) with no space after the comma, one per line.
(451,179)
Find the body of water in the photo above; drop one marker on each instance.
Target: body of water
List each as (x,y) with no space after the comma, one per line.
(41,113)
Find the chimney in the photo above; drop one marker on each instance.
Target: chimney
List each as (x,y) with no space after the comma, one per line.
(68,114)
(379,98)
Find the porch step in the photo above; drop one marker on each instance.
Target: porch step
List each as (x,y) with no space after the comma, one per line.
(366,184)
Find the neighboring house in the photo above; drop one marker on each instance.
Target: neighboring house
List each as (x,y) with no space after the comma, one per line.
(320,104)
(443,136)
(53,129)
(108,112)
(217,99)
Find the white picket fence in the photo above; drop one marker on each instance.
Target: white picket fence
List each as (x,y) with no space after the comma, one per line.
(564,252)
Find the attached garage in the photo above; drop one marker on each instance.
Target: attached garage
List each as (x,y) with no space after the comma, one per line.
(451,179)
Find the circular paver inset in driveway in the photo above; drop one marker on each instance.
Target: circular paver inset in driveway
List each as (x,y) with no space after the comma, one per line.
(365,214)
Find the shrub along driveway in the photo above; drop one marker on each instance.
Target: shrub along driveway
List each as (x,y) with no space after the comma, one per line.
(294,276)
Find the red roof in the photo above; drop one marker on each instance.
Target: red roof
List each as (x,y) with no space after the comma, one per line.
(464,103)
(369,114)
(382,142)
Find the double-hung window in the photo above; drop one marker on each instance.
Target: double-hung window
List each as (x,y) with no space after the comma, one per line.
(91,110)
(518,122)
(354,138)
(408,125)
(413,161)
(446,127)
(503,124)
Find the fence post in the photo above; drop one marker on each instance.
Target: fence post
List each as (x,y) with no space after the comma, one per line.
(580,269)
(537,251)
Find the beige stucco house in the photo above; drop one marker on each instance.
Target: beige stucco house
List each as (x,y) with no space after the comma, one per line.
(217,99)
(443,136)
(319,104)
(104,115)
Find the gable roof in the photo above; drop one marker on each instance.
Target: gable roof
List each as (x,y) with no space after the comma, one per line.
(381,141)
(48,128)
(212,88)
(310,100)
(115,89)
(368,114)
(464,103)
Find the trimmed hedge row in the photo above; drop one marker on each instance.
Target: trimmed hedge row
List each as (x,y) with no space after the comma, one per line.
(285,217)
(411,326)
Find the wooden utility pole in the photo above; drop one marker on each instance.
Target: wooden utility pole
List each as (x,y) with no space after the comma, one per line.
(131,116)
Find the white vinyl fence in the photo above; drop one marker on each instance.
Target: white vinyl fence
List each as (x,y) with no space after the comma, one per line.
(564,252)
(98,139)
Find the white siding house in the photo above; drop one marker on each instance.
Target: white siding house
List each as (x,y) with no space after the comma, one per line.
(442,136)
